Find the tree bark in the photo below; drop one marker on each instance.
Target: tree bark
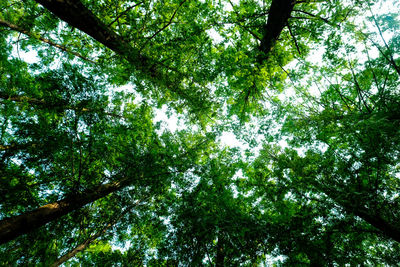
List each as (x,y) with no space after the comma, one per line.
(81,247)
(220,258)
(11,228)
(380,223)
(278,16)
(57,105)
(19,98)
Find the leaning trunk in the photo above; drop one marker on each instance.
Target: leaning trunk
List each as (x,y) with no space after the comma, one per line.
(278,16)
(77,15)
(377,221)
(371,216)
(78,248)
(11,228)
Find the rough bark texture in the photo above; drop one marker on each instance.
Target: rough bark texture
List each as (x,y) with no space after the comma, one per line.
(77,15)
(278,16)
(13,227)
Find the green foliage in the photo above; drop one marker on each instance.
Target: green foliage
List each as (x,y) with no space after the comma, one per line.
(316,184)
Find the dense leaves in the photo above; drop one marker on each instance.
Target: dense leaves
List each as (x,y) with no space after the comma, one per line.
(90,176)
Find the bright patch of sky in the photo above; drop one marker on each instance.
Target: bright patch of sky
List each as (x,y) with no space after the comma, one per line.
(29,56)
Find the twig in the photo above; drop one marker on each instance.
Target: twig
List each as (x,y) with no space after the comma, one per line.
(123,13)
(45,40)
(294,39)
(166,25)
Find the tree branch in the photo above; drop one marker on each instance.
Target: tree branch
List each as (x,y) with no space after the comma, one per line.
(314,16)
(45,40)
(123,13)
(294,39)
(165,26)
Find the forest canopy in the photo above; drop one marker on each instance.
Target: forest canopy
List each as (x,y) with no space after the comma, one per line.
(90,176)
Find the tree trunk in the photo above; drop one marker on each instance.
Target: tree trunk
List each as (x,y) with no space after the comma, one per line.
(380,223)
(20,98)
(220,258)
(77,15)
(56,105)
(11,228)
(372,217)
(70,254)
(278,16)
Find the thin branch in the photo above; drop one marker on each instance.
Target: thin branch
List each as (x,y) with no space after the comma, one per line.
(397,68)
(70,254)
(315,16)
(373,74)
(45,40)
(342,97)
(19,36)
(358,87)
(123,13)
(166,25)
(243,26)
(294,39)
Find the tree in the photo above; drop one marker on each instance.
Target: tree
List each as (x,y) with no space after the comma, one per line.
(315,83)
(213,227)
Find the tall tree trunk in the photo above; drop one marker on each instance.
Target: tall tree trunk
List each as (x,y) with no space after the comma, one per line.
(77,15)
(371,216)
(278,16)
(13,227)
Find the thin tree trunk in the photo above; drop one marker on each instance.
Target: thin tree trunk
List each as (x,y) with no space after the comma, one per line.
(20,98)
(220,258)
(38,37)
(15,147)
(278,16)
(70,254)
(79,248)
(11,228)
(58,105)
